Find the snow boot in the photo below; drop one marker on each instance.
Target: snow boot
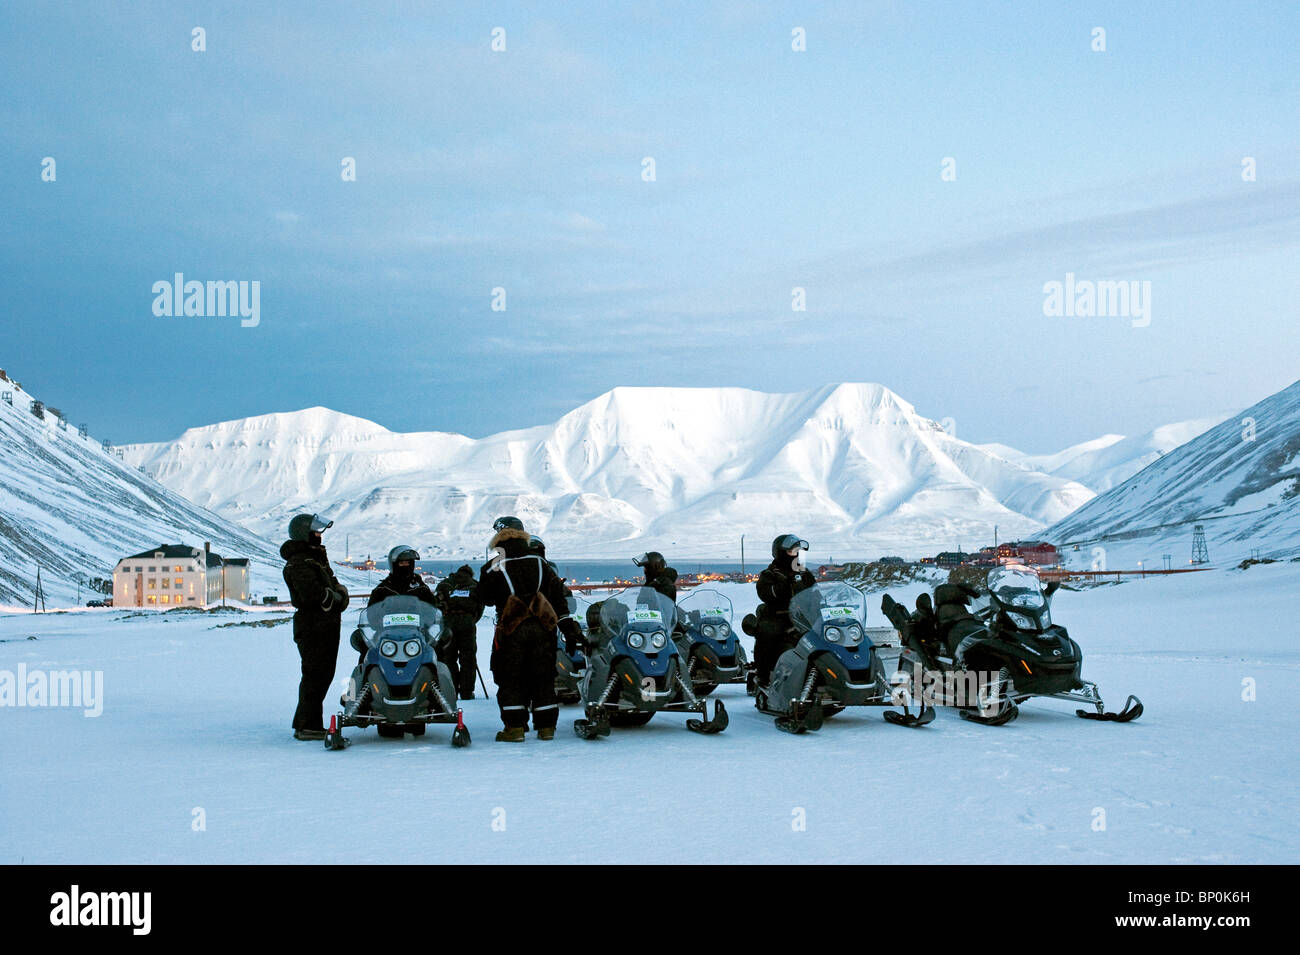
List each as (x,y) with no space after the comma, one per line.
(511,734)
(309,734)
(546,733)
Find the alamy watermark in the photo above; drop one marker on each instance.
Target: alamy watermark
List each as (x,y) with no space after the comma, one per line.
(82,689)
(208,299)
(1107,298)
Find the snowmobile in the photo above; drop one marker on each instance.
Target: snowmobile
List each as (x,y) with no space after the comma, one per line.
(635,671)
(569,669)
(1004,651)
(401,686)
(836,664)
(706,641)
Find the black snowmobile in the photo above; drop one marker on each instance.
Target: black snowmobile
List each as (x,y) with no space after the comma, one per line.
(569,669)
(401,686)
(988,658)
(634,670)
(706,641)
(834,665)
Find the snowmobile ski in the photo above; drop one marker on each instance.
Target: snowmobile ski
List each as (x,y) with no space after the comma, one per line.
(914,720)
(1006,716)
(1131,711)
(460,735)
(803,718)
(335,739)
(717,724)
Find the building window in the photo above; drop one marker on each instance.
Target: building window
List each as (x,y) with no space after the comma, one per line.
(152,599)
(178,583)
(166,583)
(176,570)
(153,570)
(153,584)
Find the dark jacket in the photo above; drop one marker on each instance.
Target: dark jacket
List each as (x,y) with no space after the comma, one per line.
(777,586)
(314,591)
(394,586)
(526,577)
(457,598)
(664,580)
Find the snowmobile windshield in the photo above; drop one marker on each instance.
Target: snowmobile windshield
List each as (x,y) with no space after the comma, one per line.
(705,608)
(640,609)
(407,612)
(1016,587)
(832,602)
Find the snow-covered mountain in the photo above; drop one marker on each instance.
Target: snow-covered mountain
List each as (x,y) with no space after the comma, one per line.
(1112,459)
(71,507)
(1241,479)
(852,467)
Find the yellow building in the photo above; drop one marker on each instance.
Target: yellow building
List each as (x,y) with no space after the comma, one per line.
(174,575)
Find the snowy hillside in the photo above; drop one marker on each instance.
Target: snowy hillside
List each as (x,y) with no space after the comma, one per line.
(852,467)
(1112,459)
(1242,483)
(69,507)
(1203,776)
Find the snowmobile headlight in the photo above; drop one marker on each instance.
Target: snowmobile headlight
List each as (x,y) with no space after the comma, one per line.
(724,630)
(854,634)
(709,630)
(636,640)
(658,639)
(412,648)
(1022,621)
(388,648)
(833,634)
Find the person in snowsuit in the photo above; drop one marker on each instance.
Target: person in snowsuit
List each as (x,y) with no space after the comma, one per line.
(402,581)
(529,600)
(572,632)
(657,574)
(319,601)
(457,598)
(952,618)
(777,586)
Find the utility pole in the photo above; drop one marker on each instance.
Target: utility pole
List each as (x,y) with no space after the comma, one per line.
(742,555)
(38,601)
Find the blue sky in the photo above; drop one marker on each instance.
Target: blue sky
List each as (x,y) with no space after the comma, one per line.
(775,169)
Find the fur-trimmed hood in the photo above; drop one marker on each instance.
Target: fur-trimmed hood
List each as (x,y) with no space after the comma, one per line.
(508,534)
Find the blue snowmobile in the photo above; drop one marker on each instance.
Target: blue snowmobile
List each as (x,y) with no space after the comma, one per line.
(400,686)
(634,670)
(834,665)
(708,643)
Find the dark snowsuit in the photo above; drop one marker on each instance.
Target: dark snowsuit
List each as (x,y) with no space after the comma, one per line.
(664,580)
(529,599)
(319,600)
(953,619)
(777,586)
(457,598)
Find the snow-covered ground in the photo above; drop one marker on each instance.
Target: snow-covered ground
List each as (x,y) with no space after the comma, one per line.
(196,720)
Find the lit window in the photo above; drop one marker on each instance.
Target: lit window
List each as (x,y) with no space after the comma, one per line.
(152,599)
(153,585)
(176,570)
(178,583)
(166,583)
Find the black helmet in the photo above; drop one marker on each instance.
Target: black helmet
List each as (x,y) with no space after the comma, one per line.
(651,558)
(537,545)
(402,552)
(304,525)
(501,523)
(785,543)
